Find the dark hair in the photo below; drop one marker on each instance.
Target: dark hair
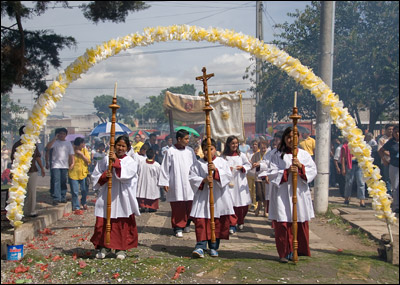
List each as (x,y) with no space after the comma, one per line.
(78,141)
(145,147)
(21,130)
(396,127)
(181,134)
(59,130)
(150,153)
(204,144)
(152,135)
(227,149)
(388,126)
(99,145)
(278,134)
(283,148)
(125,138)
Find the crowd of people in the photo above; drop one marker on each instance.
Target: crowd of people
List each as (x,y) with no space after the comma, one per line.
(245,177)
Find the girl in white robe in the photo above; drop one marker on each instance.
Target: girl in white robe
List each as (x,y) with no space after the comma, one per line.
(281,206)
(148,193)
(124,205)
(223,204)
(239,187)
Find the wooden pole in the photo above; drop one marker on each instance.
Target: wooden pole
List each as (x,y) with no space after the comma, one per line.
(114,108)
(207,109)
(295,117)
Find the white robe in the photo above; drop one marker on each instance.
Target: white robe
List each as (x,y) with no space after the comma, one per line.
(174,173)
(264,163)
(239,186)
(223,204)
(281,205)
(147,182)
(123,192)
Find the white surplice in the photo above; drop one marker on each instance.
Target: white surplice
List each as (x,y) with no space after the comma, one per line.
(239,187)
(264,163)
(223,204)
(123,192)
(281,205)
(174,173)
(148,174)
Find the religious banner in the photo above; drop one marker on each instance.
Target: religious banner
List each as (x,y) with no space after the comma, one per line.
(226,117)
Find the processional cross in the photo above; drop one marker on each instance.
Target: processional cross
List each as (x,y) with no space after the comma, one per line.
(207,109)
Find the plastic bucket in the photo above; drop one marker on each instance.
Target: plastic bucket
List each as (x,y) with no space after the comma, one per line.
(15,252)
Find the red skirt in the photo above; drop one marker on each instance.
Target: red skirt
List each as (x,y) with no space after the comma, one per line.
(123,234)
(148,203)
(203,228)
(180,212)
(240,213)
(284,238)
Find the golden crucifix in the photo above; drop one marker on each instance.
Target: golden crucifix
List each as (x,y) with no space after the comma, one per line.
(207,108)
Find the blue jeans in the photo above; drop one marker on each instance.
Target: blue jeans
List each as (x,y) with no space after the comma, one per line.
(354,172)
(203,244)
(75,192)
(59,183)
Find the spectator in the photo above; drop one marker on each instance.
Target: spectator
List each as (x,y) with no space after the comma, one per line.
(5,175)
(308,143)
(78,174)
(386,158)
(351,170)
(154,146)
(244,147)
(340,179)
(138,143)
(30,200)
(5,157)
(392,146)
(169,141)
(62,161)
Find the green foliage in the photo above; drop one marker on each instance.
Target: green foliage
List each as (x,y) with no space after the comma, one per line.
(10,120)
(366,60)
(154,110)
(115,11)
(126,112)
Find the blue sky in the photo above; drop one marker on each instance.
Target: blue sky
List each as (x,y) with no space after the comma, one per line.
(143,72)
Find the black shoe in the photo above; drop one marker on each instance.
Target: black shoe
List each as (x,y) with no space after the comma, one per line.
(63,201)
(33,216)
(55,203)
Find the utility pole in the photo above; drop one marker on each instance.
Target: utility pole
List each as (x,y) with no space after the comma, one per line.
(260,36)
(323,128)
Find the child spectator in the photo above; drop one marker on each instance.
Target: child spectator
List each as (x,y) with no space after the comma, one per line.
(5,176)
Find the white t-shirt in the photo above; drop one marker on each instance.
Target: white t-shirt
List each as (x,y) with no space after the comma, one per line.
(61,152)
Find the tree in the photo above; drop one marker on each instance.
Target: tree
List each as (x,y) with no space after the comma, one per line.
(126,112)
(366,60)
(154,110)
(10,116)
(27,55)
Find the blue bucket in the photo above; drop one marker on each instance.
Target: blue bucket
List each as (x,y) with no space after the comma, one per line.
(15,252)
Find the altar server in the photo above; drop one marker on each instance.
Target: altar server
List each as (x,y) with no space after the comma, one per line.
(281,206)
(239,165)
(223,204)
(174,177)
(124,205)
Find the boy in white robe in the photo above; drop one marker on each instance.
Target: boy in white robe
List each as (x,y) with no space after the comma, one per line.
(280,172)
(174,177)
(124,205)
(148,192)
(223,204)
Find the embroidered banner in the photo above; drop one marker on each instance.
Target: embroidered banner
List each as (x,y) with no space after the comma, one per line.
(226,118)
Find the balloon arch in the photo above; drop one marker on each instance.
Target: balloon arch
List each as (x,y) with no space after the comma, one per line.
(303,75)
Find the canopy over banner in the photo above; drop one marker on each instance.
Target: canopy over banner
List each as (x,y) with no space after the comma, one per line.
(226,117)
